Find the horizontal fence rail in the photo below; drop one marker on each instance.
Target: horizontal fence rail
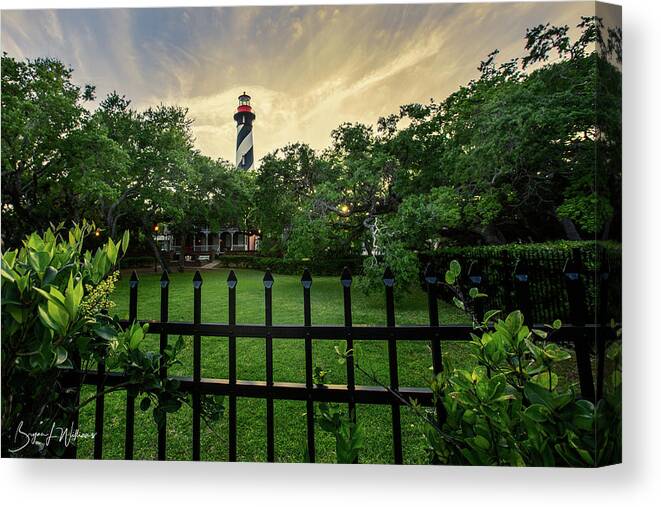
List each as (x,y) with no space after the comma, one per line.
(588,336)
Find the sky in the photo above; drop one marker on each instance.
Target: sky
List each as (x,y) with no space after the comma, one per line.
(308,68)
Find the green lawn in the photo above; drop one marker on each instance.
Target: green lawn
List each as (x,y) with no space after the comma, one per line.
(289,365)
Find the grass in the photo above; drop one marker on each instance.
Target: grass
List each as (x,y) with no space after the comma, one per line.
(289,365)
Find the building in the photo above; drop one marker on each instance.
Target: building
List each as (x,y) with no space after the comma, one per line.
(203,243)
(244,117)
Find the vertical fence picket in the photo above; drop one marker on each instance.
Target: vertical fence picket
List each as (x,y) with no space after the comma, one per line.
(389,282)
(306,281)
(231,287)
(476,280)
(602,320)
(99,409)
(436,353)
(268,310)
(521,284)
(345,280)
(163,342)
(577,315)
(508,289)
(197,363)
(130,397)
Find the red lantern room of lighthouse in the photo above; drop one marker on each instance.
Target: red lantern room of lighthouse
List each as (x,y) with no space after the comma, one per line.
(244,117)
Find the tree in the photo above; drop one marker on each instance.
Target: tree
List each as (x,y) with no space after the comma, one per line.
(508,157)
(518,144)
(52,151)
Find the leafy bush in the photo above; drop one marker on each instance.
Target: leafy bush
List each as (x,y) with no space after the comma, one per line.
(511,409)
(335,419)
(55,303)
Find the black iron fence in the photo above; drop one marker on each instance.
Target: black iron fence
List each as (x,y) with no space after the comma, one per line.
(499,269)
(588,335)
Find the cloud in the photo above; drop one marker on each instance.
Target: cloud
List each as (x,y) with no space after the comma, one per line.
(307,68)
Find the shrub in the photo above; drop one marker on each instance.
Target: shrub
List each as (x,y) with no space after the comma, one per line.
(511,409)
(55,303)
(325,267)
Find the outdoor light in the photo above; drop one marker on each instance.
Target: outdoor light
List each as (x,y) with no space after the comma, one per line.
(155,227)
(97,233)
(344,208)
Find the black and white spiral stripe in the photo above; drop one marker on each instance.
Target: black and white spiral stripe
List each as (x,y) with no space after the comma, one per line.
(244,151)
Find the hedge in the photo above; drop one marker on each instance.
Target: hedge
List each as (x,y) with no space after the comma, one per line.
(321,267)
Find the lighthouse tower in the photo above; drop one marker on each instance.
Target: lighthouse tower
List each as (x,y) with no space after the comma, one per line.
(244,117)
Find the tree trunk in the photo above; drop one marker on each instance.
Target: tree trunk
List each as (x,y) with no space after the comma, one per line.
(157,252)
(491,235)
(605,234)
(181,252)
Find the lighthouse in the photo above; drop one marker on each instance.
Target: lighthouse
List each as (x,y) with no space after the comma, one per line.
(244,117)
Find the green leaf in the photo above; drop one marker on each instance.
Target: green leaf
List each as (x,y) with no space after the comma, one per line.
(46,319)
(7,276)
(450,278)
(145,403)
(514,321)
(557,324)
(481,442)
(458,303)
(125,241)
(16,312)
(136,336)
(537,413)
(455,268)
(490,314)
(537,394)
(61,355)
(58,313)
(112,251)
(50,275)
(105,332)
(39,260)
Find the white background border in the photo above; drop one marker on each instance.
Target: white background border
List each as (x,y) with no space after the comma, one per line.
(636,482)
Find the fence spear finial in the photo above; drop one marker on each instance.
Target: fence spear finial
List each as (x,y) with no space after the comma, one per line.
(268,279)
(430,274)
(231,279)
(197,280)
(345,278)
(388,277)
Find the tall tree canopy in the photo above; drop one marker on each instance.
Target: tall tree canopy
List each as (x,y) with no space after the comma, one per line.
(508,157)
(62,161)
